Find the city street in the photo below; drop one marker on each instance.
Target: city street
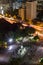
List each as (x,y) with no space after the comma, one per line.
(21,32)
(4,58)
(35,53)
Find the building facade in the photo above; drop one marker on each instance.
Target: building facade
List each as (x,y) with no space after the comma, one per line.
(28,10)
(31,10)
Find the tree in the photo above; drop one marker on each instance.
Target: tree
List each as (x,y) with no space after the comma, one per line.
(8,35)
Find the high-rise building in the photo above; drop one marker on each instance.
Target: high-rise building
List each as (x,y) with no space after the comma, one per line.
(31,10)
(21,13)
(39,6)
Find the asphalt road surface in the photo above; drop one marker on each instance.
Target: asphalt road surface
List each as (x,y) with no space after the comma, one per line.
(36,52)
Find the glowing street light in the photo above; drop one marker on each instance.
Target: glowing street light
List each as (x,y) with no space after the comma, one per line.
(1,7)
(2,11)
(10,40)
(10,48)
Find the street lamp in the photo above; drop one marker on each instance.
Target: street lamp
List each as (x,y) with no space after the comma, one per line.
(10,48)
(1,10)
(10,40)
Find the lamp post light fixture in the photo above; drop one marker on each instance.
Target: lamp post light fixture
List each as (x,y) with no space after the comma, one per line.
(10,40)
(2,10)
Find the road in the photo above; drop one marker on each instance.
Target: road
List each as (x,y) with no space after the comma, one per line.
(4,58)
(35,52)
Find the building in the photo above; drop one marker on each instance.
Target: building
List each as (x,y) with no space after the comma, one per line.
(31,10)
(39,5)
(21,13)
(28,10)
